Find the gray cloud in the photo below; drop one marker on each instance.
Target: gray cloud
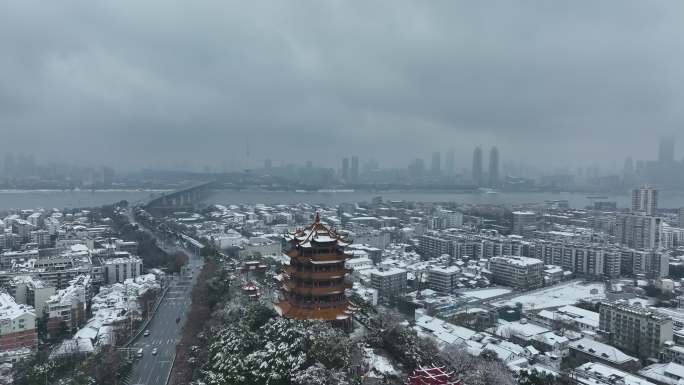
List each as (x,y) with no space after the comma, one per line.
(170,82)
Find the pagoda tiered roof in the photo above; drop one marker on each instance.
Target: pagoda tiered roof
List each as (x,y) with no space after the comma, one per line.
(314,282)
(317,233)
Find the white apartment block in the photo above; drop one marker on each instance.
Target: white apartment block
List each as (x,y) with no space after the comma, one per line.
(443,279)
(634,329)
(121,268)
(390,283)
(519,272)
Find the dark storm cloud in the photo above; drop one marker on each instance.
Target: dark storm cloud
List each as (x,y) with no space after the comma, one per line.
(175,83)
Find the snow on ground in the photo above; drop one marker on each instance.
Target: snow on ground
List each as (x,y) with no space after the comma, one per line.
(559,295)
(378,365)
(486,293)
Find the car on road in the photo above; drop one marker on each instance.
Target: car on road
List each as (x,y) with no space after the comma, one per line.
(139,353)
(147,333)
(154,351)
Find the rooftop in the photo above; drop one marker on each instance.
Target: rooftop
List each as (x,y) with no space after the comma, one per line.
(387,272)
(601,350)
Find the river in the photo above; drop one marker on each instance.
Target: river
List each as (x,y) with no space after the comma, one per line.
(575,200)
(24,199)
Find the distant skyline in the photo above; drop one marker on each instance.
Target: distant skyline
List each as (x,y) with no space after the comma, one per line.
(177,85)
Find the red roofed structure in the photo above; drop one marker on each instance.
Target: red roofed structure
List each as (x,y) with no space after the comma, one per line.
(432,376)
(315,281)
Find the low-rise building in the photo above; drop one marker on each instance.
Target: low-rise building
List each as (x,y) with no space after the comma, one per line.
(17,325)
(390,283)
(33,292)
(585,350)
(595,373)
(519,272)
(664,374)
(572,316)
(444,279)
(67,308)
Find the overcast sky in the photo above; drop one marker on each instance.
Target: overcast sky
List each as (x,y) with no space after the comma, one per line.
(168,82)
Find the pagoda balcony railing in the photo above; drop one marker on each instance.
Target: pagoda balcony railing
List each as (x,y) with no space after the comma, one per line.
(294,272)
(318,257)
(313,251)
(342,305)
(317,290)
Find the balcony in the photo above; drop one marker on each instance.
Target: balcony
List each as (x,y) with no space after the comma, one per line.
(318,275)
(305,255)
(317,290)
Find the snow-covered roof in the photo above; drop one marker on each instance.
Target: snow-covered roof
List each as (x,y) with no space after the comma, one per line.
(444,332)
(518,261)
(594,373)
(669,373)
(10,310)
(601,350)
(387,272)
(520,329)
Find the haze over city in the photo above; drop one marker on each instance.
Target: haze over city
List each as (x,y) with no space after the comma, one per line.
(223,192)
(228,84)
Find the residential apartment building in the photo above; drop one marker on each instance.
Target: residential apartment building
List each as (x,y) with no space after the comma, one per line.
(390,283)
(645,200)
(121,268)
(17,325)
(443,279)
(651,263)
(67,308)
(31,291)
(634,329)
(473,246)
(524,222)
(435,246)
(638,231)
(579,258)
(519,272)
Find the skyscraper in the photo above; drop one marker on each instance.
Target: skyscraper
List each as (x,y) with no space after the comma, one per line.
(345,169)
(494,167)
(436,165)
(645,200)
(666,149)
(449,165)
(477,166)
(268,164)
(681,217)
(417,169)
(354,169)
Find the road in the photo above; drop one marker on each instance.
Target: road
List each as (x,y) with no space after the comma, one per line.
(165,333)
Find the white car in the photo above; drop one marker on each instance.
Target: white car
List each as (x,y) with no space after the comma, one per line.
(154,351)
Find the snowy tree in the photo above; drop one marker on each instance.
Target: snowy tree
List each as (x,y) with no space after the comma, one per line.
(329,346)
(318,374)
(226,363)
(476,370)
(275,353)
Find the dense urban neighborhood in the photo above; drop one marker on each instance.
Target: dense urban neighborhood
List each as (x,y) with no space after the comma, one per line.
(369,292)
